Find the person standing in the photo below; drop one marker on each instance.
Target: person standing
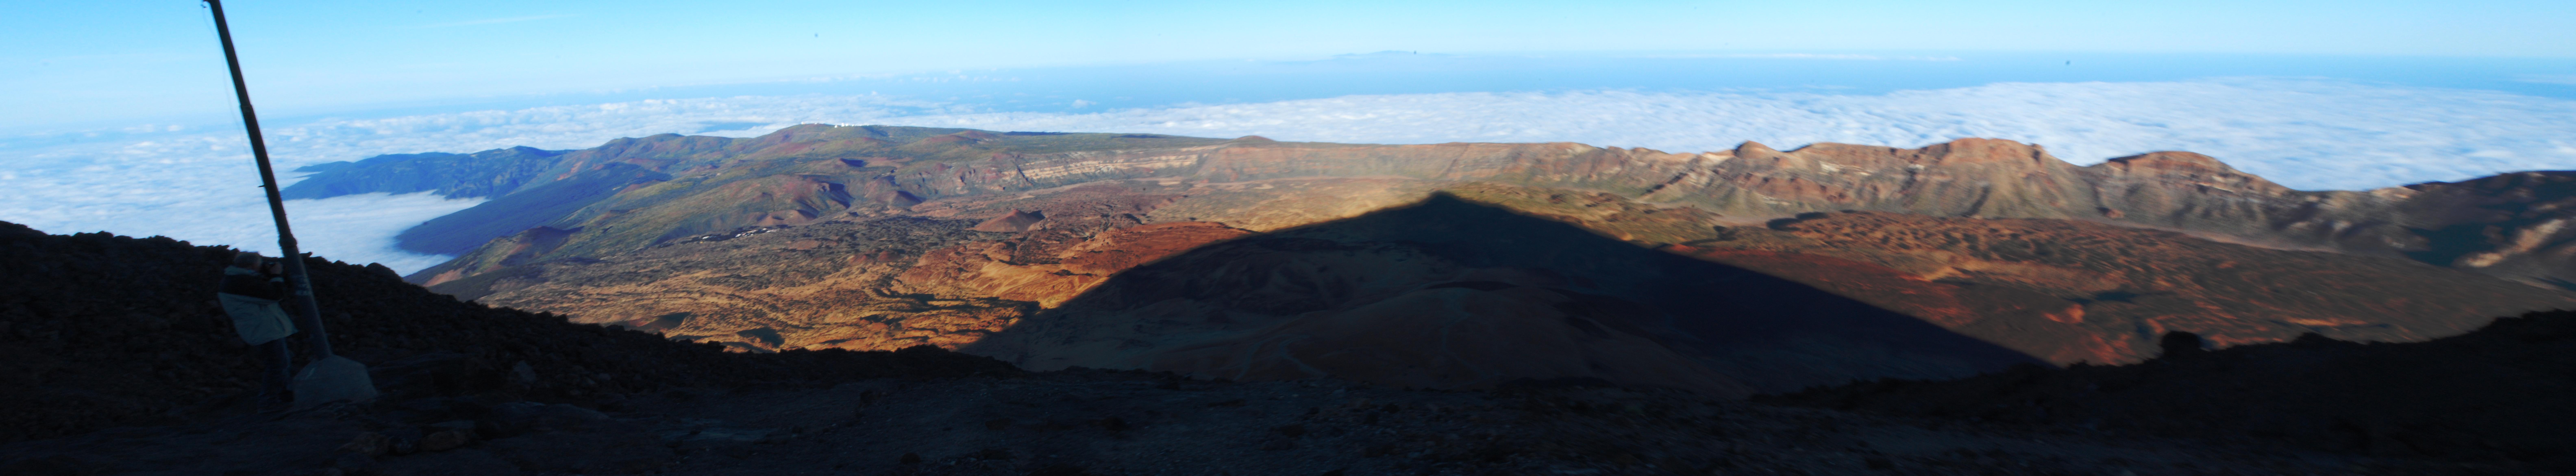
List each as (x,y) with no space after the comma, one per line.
(251,290)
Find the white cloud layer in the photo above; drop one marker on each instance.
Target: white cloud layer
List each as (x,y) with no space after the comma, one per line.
(2305,134)
(196,183)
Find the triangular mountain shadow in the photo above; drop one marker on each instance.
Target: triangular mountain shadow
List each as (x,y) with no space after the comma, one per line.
(1450,293)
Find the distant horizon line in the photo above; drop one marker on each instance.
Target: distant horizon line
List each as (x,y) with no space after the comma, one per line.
(566,96)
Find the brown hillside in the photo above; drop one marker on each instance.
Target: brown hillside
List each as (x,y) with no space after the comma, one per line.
(2059,290)
(880,238)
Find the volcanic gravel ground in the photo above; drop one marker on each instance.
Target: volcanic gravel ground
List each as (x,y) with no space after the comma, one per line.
(1132,423)
(2500,394)
(119,363)
(1092,422)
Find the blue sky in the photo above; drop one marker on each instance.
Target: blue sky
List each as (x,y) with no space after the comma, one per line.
(74,64)
(120,118)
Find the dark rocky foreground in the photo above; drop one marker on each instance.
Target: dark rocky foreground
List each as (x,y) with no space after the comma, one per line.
(2502,393)
(118,365)
(1132,423)
(103,331)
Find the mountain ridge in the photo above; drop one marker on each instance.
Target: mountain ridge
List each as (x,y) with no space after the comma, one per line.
(1968,177)
(875,237)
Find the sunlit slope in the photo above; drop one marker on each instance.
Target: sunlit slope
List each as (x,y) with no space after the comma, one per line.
(641,191)
(877,168)
(1413,260)
(882,237)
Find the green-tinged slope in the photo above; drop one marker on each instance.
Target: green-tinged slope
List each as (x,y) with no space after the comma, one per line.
(459,232)
(798,175)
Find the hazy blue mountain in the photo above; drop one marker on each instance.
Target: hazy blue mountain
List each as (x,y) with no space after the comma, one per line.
(481,174)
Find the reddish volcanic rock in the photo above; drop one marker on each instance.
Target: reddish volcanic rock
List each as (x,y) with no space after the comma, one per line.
(2124,286)
(2065,290)
(991,269)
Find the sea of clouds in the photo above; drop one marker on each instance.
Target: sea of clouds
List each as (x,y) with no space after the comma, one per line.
(195,183)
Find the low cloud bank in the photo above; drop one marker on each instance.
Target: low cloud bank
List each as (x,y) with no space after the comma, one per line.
(197,183)
(2305,134)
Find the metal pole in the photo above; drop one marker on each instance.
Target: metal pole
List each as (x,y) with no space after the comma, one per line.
(308,316)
